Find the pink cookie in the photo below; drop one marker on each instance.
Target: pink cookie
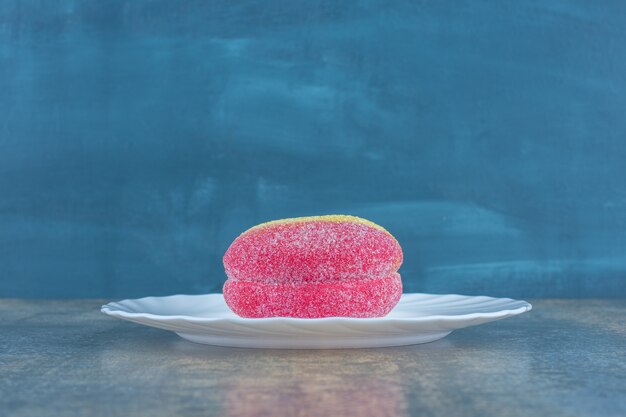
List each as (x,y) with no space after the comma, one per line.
(326,266)
(351,298)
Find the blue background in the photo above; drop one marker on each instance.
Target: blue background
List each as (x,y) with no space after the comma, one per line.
(138,138)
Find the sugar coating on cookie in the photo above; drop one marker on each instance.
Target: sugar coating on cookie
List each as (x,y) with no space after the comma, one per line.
(313,249)
(352,298)
(310,267)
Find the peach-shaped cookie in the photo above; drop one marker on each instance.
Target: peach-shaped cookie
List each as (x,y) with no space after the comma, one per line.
(324,266)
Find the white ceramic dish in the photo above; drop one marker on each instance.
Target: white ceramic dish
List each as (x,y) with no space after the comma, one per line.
(418,318)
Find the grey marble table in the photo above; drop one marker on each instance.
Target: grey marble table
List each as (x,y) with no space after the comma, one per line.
(65,358)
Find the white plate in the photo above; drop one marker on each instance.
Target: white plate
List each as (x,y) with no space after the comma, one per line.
(418,318)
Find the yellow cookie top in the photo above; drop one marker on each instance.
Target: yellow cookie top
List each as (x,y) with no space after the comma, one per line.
(336,218)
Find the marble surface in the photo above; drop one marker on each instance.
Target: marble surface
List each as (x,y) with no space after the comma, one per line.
(565,358)
(138,138)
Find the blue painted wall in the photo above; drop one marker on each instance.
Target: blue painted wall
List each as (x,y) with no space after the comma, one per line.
(138,138)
